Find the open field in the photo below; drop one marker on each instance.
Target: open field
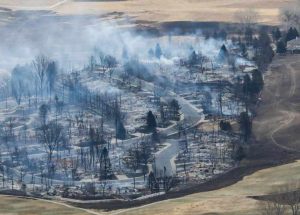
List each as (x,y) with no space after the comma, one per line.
(278,117)
(19,4)
(15,205)
(159,11)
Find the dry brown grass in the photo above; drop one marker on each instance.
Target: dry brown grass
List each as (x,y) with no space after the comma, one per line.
(27,3)
(278,116)
(166,10)
(16,206)
(179,10)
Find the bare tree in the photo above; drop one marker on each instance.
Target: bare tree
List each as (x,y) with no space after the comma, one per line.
(17,83)
(291,197)
(272,208)
(132,160)
(286,196)
(17,89)
(232,63)
(92,63)
(40,65)
(247,17)
(202,60)
(145,154)
(51,135)
(290,15)
(23,172)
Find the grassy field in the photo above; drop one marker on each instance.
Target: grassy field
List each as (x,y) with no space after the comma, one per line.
(160,11)
(16,206)
(27,3)
(278,117)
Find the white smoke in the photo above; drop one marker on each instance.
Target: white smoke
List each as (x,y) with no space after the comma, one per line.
(71,40)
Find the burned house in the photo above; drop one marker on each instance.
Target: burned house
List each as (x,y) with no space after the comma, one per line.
(170,110)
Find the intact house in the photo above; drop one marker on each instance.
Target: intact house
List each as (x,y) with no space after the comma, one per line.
(293,46)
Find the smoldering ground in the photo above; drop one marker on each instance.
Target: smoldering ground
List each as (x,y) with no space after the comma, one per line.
(71,40)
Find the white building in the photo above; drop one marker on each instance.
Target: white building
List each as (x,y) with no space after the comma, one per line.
(293,46)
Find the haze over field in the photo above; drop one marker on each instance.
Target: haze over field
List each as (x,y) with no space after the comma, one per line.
(59,31)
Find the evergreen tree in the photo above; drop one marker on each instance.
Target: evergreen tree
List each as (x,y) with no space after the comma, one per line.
(121,131)
(158,52)
(264,52)
(246,84)
(243,50)
(223,54)
(245,125)
(291,34)
(225,126)
(239,154)
(193,58)
(257,82)
(281,47)
(51,73)
(151,121)
(151,53)
(276,34)
(105,165)
(43,113)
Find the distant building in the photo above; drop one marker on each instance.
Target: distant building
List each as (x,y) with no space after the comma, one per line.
(293,46)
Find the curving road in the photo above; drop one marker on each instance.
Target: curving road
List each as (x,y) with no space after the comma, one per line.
(164,159)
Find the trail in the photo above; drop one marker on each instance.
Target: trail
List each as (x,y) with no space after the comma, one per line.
(50,7)
(62,204)
(291,115)
(72,207)
(58,4)
(136,208)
